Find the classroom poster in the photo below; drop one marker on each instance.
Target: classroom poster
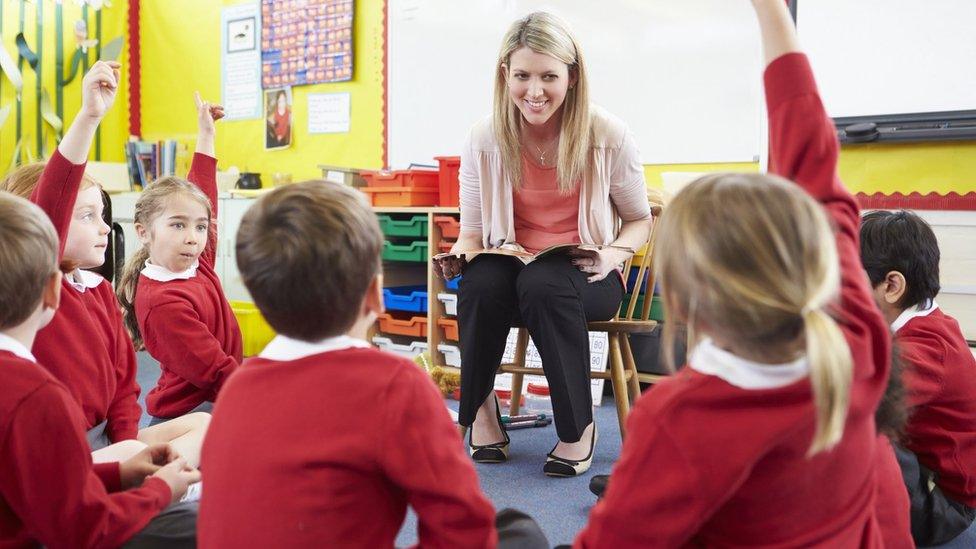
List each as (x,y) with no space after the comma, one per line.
(305,42)
(278,118)
(240,61)
(598,363)
(328,113)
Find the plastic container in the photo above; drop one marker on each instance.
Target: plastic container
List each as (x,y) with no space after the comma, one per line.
(415,326)
(395,197)
(452,354)
(415,251)
(407,350)
(657,307)
(450,327)
(504,398)
(448,182)
(450,303)
(639,256)
(255,331)
(429,179)
(452,284)
(445,246)
(406,298)
(414,226)
(450,226)
(537,399)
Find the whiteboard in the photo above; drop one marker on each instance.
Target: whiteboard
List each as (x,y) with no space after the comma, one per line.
(684,75)
(875,57)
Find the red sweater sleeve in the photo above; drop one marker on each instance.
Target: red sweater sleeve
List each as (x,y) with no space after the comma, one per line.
(924,370)
(110,474)
(54,490)
(420,452)
(180,340)
(203,174)
(123,411)
(56,193)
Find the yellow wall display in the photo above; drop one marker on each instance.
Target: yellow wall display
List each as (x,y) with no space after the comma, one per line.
(181,54)
(114,128)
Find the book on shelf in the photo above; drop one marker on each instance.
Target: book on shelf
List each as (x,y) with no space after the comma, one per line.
(149,160)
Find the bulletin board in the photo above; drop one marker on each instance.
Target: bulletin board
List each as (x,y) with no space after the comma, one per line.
(306,42)
(684,76)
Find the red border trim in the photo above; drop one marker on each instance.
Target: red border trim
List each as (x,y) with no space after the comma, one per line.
(386,79)
(135,71)
(917,201)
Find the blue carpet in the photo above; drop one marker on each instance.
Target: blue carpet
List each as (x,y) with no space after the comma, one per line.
(560,506)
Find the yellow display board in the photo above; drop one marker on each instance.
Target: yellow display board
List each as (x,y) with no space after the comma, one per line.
(114,128)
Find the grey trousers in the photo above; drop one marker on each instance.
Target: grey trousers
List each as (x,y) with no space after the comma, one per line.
(175,527)
(205,406)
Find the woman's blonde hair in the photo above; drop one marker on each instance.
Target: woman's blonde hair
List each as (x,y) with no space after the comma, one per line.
(151,203)
(546,34)
(751,258)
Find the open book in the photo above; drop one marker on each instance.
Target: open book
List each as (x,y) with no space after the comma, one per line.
(515,250)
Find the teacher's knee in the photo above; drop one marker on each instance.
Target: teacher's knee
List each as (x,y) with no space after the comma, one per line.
(541,287)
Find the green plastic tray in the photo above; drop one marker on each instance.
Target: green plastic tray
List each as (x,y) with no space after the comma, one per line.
(415,226)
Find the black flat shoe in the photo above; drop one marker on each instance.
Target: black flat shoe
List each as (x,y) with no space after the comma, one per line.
(496,452)
(560,467)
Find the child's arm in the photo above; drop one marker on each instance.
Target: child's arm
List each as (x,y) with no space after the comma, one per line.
(53,487)
(57,188)
(203,170)
(421,454)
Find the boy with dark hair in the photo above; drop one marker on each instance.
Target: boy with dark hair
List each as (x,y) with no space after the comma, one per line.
(938,460)
(349,435)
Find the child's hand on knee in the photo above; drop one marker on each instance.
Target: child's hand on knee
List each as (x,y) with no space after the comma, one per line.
(135,469)
(178,475)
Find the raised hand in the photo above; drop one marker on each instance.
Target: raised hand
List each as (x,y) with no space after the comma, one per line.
(99,88)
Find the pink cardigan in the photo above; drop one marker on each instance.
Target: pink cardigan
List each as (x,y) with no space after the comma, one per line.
(612,191)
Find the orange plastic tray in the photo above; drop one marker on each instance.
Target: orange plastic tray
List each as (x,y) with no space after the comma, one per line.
(449,184)
(450,326)
(401,196)
(416,326)
(404,178)
(445,246)
(450,227)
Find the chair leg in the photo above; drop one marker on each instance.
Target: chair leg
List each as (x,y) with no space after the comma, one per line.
(629,365)
(620,393)
(521,347)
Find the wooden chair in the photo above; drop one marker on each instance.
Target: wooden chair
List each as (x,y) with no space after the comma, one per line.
(622,370)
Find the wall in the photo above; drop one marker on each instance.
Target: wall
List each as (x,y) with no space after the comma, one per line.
(181,54)
(114,128)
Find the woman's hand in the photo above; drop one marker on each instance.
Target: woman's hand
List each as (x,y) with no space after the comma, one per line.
(135,469)
(598,263)
(448,267)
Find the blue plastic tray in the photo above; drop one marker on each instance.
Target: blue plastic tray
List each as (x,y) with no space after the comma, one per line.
(406,298)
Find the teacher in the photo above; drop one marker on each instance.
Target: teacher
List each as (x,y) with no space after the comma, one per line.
(546,168)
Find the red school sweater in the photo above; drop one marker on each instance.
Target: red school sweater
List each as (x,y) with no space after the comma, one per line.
(348,438)
(892,507)
(940,378)
(711,464)
(187,324)
(50,493)
(86,346)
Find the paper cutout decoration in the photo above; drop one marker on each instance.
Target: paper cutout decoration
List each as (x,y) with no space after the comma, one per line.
(112,50)
(94,4)
(4,113)
(48,114)
(25,51)
(9,67)
(81,36)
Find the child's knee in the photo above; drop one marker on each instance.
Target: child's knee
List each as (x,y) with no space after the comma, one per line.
(198,420)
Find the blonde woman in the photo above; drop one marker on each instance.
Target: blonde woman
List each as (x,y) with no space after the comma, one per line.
(767,438)
(546,168)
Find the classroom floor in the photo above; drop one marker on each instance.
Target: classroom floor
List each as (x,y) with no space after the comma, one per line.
(560,506)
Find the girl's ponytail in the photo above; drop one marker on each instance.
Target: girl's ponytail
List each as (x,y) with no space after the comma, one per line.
(125,291)
(830,377)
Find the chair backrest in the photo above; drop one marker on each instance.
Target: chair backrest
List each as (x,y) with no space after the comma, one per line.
(643,288)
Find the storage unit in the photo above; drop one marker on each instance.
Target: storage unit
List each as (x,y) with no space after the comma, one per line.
(450,326)
(445,246)
(406,298)
(450,303)
(255,331)
(408,350)
(657,307)
(414,326)
(428,179)
(415,251)
(452,354)
(401,196)
(448,181)
(453,283)
(450,226)
(413,226)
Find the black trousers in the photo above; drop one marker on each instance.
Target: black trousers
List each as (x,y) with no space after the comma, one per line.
(936,519)
(551,298)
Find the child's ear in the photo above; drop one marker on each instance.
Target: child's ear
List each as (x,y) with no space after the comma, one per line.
(373,304)
(51,296)
(143,233)
(894,287)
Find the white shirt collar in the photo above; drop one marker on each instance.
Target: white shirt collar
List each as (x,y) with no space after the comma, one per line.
(162,274)
(81,279)
(283,348)
(912,312)
(8,343)
(707,358)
